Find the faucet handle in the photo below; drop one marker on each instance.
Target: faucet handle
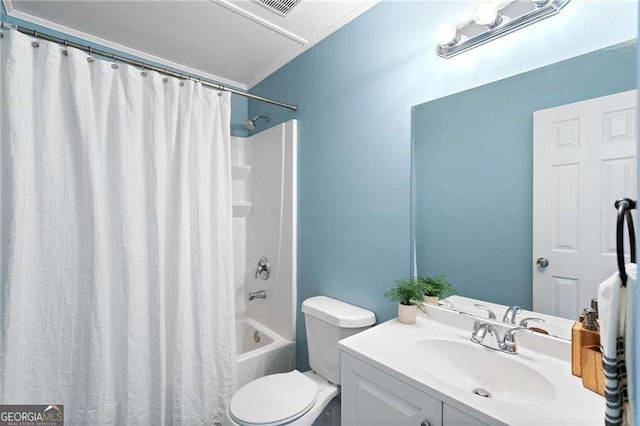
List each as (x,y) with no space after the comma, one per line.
(508,335)
(263,269)
(525,321)
(476,322)
(508,343)
(492,315)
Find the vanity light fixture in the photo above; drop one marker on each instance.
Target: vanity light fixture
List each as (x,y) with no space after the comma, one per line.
(493,19)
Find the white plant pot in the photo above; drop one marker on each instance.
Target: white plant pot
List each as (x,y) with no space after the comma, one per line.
(430,300)
(407,314)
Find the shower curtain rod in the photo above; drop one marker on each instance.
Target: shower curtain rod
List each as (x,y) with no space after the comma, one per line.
(140,64)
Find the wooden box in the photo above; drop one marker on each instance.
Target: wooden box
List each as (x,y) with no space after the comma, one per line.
(581,337)
(592,374)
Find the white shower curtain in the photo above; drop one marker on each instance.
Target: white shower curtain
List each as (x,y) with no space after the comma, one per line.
(116,249)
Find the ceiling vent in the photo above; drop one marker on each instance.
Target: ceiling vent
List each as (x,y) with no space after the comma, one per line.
(281,7)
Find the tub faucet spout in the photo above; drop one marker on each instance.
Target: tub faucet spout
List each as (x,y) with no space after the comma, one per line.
(260,294)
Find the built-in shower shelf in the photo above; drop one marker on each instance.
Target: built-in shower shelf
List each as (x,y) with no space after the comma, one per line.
(240,172)
(241,209)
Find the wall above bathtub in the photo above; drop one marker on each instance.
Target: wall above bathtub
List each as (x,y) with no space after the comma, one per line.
(355,91)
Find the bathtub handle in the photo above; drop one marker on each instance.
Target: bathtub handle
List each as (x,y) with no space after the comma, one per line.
(263,269)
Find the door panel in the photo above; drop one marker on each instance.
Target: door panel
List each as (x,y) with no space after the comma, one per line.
(584,158)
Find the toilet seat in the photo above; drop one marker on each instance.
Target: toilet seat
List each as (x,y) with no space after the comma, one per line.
(274,400)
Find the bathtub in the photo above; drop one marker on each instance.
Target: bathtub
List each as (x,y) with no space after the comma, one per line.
(261,352)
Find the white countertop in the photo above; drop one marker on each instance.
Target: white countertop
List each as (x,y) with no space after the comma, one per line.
(386,347)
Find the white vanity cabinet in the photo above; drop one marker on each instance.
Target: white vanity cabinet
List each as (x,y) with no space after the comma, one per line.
(453,417)
(373,397)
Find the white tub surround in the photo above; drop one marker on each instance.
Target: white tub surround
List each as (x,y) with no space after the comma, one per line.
(407,374)
(271,354)
(241,191)
(271,227)
(264,175)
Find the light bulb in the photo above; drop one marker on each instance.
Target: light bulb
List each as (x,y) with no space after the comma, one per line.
(447,34)
(486,13)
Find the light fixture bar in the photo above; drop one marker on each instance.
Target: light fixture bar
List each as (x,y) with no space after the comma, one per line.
(512,16)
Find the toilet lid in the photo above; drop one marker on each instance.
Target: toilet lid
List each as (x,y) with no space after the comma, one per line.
(274,399)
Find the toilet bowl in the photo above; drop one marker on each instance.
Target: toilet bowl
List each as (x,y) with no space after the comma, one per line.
(288,398)
(297,398)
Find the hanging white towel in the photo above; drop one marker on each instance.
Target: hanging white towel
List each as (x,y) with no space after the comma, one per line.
(630,345)
(614,328)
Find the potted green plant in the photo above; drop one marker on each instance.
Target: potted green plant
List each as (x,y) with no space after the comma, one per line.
(408,294)
(435,288)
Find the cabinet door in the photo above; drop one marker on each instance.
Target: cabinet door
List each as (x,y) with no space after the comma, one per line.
(454,417)
(371,397)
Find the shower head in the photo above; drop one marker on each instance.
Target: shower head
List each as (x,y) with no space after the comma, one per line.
(251,124)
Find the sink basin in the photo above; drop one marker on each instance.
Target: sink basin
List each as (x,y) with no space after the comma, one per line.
(469,366)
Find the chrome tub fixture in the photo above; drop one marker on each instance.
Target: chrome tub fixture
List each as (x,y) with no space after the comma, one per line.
(260,294)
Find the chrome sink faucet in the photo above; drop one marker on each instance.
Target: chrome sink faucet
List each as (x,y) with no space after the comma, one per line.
(506,344)
(510,314)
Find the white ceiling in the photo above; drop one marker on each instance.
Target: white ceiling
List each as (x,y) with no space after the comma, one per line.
(235,42)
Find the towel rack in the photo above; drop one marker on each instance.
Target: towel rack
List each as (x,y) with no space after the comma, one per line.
(624,206)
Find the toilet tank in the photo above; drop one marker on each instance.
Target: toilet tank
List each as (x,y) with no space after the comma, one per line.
(328,321)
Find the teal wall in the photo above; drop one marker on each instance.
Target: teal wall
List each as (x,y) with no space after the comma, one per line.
(239,104)
(355,90)
(636,370)
(474,174)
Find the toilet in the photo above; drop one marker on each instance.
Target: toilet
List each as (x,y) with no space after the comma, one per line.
(300,398)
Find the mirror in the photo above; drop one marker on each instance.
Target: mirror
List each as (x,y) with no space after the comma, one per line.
(473,181)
